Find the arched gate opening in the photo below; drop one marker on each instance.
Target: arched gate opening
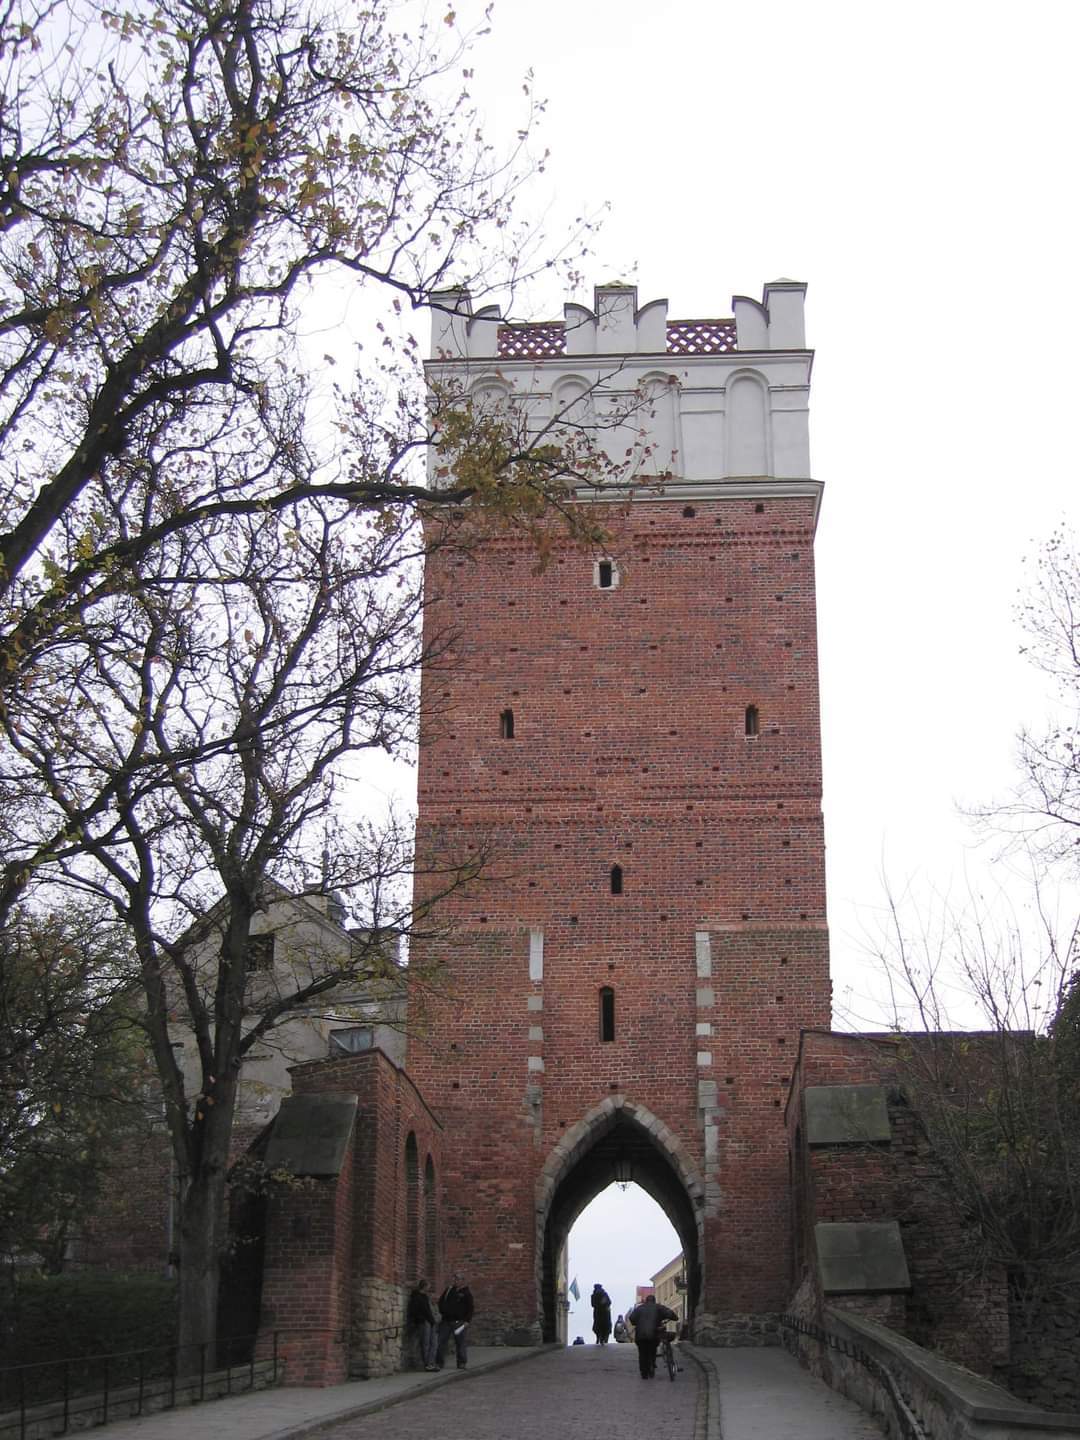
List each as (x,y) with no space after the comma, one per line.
(617,1140)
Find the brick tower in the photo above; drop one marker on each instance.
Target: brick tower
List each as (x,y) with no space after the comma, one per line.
(634,736)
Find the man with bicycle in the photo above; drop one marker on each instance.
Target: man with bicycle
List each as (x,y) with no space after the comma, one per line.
(647,1319)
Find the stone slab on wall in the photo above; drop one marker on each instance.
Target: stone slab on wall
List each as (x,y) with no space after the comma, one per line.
(861,1258)
(311,1134)
(846,1114)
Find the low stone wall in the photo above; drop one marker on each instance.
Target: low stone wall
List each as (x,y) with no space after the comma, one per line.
(497,1330)
(83,1412)
(732,1330)
(377,1338)
(1044,1358)
(920,1395)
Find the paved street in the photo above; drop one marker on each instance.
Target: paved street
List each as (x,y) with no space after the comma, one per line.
(583,1393)
(589,1392)
(765,1395)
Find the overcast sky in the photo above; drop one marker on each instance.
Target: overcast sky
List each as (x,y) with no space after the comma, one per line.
(916,165)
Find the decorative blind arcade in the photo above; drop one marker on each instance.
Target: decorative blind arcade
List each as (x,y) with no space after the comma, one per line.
(684,337)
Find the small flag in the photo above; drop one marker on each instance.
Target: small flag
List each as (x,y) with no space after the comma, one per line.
(574,1290)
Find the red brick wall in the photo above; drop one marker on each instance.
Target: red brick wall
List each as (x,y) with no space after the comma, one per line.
(128,1229)
(336,1249)
(389,1108)
(955,1304)
(630,749)
(307,1275)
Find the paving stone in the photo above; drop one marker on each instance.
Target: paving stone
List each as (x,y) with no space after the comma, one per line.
(765,1394)
(589,1392)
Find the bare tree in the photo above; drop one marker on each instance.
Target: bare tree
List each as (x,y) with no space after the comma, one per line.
(206,606)
(172,175)
(208,725)
(982,1053)
(1043,814)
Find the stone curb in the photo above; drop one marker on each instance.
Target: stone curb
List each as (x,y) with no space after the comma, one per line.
(707,1415)
(384,1402)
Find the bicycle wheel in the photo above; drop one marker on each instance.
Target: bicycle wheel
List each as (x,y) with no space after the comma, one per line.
(669,1356)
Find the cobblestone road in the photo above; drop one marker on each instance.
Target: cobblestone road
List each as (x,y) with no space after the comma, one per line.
(588,1392)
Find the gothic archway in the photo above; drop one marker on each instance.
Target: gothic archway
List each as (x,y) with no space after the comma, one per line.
(582,1164)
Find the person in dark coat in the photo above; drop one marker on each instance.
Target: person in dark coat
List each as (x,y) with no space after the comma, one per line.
(646,1319)
(421,1317)
(601,1314)
(455,1316)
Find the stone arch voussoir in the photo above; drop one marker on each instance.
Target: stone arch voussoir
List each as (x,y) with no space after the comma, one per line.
(579,1140)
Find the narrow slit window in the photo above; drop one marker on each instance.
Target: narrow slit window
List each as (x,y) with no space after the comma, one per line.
(616,879)
(607,1013)
(506,725)
(753,720)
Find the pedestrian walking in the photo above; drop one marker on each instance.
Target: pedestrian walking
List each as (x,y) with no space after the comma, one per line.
(601,1314)
(421,1317)
(455,1317)
(646,1319)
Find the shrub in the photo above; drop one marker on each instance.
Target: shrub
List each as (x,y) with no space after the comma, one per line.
(76,1316)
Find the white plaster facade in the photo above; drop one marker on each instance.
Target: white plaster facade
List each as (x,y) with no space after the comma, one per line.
(731,420)
(669,1286)
(309,939)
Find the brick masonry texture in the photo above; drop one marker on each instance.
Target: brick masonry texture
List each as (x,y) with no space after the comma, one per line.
(341,1253)
(954,1304)
(129,1225)
(629,749)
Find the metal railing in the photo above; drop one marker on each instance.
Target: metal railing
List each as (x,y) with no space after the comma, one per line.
(59,1395)
(907,1425)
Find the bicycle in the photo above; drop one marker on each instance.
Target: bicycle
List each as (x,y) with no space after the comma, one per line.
(665,1338)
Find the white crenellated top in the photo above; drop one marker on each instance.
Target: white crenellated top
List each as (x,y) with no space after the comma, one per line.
(726,399)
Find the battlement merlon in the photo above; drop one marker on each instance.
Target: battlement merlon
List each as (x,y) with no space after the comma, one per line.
(616,326)
(714,407)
